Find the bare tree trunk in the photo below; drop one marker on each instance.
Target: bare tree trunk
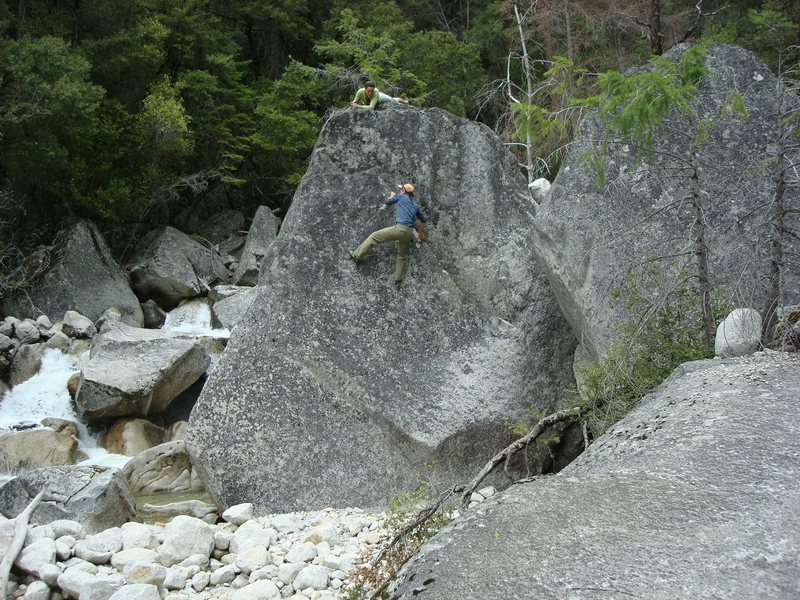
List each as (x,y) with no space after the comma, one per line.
(700,252)
(568,28)
(773,297)
(526,73)
(656,36)
(17,541)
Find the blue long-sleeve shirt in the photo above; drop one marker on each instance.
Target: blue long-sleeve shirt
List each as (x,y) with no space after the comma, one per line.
(407,210)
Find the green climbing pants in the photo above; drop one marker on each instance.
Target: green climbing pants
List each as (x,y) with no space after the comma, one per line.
(402,234)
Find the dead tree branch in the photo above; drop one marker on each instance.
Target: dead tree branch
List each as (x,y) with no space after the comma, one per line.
(18,540)
(507,453)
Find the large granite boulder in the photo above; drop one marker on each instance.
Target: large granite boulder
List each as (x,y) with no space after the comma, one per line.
(97,497)
(261,234)
(137,372)
(694,494)
(78,273)
(337,388)
(171,267)
(631,239)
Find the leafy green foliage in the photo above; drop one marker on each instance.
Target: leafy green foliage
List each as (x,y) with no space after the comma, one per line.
(430,55)
(636,106)
(162,127)
(288,124)
(49,118)
(370,50)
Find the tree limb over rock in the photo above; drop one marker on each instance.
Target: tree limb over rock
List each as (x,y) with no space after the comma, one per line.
(504,456)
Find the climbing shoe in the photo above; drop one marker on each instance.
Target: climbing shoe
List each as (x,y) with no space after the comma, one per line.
(354,258)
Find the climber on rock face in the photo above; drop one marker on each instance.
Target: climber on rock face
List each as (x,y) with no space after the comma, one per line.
(408,211)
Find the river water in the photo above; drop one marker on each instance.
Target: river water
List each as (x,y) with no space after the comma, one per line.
(45,394)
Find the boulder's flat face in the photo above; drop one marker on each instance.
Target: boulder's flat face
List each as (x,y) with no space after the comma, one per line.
(84,277)
(694,494)
(631,239)
(338,388)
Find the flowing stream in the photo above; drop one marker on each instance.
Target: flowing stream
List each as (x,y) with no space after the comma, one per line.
(45,394)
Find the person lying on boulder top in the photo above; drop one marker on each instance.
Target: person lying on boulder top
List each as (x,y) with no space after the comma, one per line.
(408,211)
(367,97)
(387,98)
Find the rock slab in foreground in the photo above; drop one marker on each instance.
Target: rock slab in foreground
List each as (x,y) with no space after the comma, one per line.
(337,388)
(97,497)
(695,494)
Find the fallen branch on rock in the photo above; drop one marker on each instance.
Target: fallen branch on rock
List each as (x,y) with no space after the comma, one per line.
(17,540)
(421,519)
(383,569)
(504,456)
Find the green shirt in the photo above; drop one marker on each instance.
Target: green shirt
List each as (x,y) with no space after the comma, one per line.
(361,99)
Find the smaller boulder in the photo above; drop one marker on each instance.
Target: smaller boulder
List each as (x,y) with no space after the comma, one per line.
(163,468)
(136,591)
(185,536)
(739,334)
(239,513)
(312,576)
(98,497)
(539,188)
(5,343)
(129,437)
(61,426)
(59,341)
(109,318)
(228,311)
(80,274)
(77,326)
(7,326)
(136,372)
(36,448)
(171,267)
(44,325)
(261,234)
(27,362)
(154,315)
(27,332)
(175,432)
(259,590)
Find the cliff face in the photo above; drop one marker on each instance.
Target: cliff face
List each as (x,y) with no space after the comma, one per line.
(336,387)
(632,238)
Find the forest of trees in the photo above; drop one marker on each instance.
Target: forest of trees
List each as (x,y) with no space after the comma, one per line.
(135,112)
